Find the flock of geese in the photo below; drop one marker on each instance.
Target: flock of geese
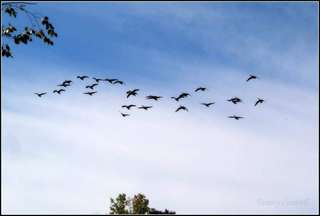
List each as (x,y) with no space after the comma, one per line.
(134,92)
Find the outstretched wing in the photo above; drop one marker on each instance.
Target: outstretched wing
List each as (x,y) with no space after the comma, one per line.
(129,93)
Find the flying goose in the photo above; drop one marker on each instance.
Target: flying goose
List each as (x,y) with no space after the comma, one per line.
(153,97)
(110,80)
(235,117)
(58,91)
(259,101)
(91,86)
(182,108)
(207,104)
(124,114)
(82,77)
(200,89)
(128,106)
(90,93)
(67,82)
(132,92)
(96,79)
(176,98)
(118,82)
(145,107)
(182,95)
(64,84)
(40,94)
(235,100)
(252,77)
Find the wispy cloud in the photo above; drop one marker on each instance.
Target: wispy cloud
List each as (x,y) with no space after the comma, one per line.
(71,153)
(73,148)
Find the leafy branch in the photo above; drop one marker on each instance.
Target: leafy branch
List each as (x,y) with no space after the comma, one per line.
(40,28)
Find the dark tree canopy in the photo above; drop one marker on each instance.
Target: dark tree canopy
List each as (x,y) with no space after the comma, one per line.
(120,205)
(155,211)
(36,27)
(139,204)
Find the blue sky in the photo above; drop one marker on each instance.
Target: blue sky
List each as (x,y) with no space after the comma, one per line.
(166,48)
(97,37)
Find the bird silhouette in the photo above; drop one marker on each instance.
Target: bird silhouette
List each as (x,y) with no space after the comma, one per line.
(90,93)
(252,77)
(118,82)
(235,100)
(182,95)
(128,106)
(91,86)
(132,92)
(58,91)
(259,101)
(235,117)
(182,108)
(153,97)
(64,84)
(40,94)
(200,89)
(97,80)
(82,77)
(145,107)
(207,104)
(110,80)
(67,82)
(124,114)
(176,98)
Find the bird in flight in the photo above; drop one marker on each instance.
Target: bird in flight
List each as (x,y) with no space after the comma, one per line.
(91,86)
(124,114)
(58,91)
(67,82)
(96,79)
(235,100)
(132,92)
(259,101)
(64,84)
(176,98)
(118,82)
(252,77)
(235,117)
(82,77)
(128,106)
(200,89)
(153,97)
(145,107)
(182,108)
(207,104)
(40,94)
(182,95)
(110,80)
(90,93)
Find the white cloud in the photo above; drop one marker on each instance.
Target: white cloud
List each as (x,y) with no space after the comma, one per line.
(70,154)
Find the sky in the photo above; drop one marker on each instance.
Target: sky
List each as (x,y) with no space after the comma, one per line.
(71,153)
